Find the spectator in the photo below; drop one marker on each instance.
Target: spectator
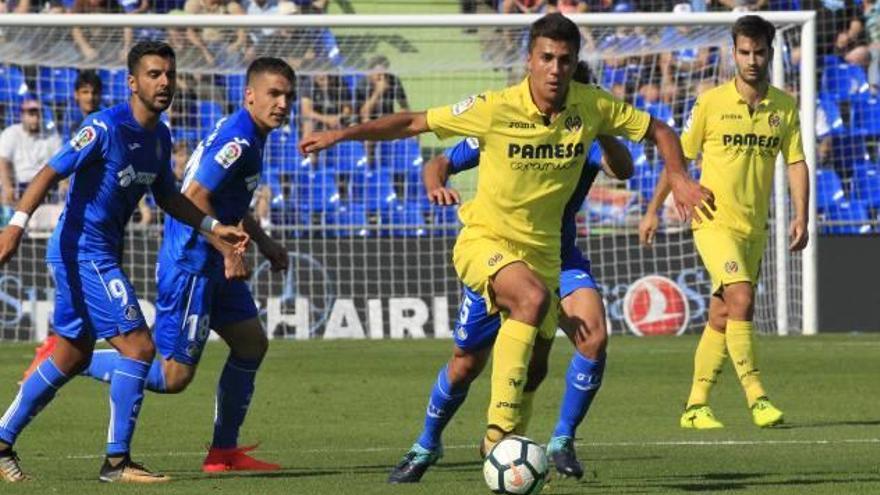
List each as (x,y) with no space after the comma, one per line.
(24,149)
(15,7)
(87,91)
(258,37)
(216,46)
(567,6)
(523,6)
(375,95)
(311,6)
(839,29)
(684,64)
(179,157)
(325,104)
(94,42)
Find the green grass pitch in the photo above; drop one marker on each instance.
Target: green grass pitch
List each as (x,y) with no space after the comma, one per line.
(337,416)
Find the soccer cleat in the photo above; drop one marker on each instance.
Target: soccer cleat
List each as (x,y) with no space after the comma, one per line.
(412,467)
(765,414)
(493,435)
(41,353)
(700,417)
(234,459)
(561,451)
(10,470)
(129,471)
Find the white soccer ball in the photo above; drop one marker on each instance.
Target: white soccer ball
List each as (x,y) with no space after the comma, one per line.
(516,465)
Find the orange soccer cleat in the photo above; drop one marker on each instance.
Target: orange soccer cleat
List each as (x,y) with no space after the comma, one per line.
(234,459)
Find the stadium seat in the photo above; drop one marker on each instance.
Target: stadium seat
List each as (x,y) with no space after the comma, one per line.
(234,84)
(847,217)
(400,155)
(115,83)
(829,122)
(829,189)
(210,112)
(844,82)
(659,110)
(56,84)
(848,152)
(346,156)
(350,220)
(374,189)
(407,219)
(12,85)
(316,191)
(444,220)
(644,180)
(866,185)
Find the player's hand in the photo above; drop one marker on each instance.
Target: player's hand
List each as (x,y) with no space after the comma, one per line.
(691,199)
(233,235)
(318,141)
(235,266)
(276,254)
(798,234)
(10,238)
(647,228)
(444,196)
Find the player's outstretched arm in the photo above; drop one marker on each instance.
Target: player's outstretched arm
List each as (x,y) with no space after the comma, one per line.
(272,250)
(651,220)
(689,195)
(435,174)
(799,187)
(395,126)
(36,191)
(616,159)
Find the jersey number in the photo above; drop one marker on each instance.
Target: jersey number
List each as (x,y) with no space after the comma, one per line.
(198,327)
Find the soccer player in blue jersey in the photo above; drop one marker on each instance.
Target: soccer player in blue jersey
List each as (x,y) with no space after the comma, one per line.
(582,319)
(193,294)
(113,159)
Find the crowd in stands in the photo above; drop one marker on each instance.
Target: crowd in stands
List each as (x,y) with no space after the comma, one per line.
(370,184)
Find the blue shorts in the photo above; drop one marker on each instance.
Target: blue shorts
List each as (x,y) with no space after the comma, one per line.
(476,329)
(94,299)
(188,305)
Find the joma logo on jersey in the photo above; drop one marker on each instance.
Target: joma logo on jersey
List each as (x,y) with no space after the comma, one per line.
(569,150)
(750,140)
(731,116)
(521,125)
(128,176)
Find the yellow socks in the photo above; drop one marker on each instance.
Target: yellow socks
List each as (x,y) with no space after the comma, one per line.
(510,360)
(708,362)
(739,344)
(525,411)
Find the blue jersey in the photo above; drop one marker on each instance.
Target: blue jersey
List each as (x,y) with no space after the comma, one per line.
(113,161)
(466,155)
(227,163)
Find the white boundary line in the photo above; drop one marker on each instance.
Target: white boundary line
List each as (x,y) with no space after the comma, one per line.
(582,445)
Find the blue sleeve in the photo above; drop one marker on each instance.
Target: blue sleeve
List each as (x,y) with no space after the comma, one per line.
(594,158)
(463,156)
(91,143)
(164,184)
(219,160)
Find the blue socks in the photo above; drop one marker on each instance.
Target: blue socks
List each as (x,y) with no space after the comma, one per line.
(104,363)
(37,391)
(443,403)
(126,396)
(234,394)
(582,381)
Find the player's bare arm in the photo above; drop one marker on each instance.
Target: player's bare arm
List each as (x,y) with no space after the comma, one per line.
(651,219)
(690,197)
(36,191)
(395,126)
(616,160)
(435,175)
(799,188)
(268,247)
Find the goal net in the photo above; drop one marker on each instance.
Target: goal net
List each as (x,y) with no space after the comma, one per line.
(370,258)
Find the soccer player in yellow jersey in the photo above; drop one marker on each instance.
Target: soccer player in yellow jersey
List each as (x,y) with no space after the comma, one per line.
(739,128)
(534,138)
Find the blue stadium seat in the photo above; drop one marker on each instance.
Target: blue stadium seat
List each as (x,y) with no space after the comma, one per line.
(444,220)
(346,156)
(400,155)
(234,84)
(407,219)
(115,83)
(373,189)
(828,114)
(844,82)
(350,220)
(659,110)
(316,191)
(849,152)
(847,217)
(829,189)
(644,180)
(56,84)
(866,185)
(12,85)
(210,112)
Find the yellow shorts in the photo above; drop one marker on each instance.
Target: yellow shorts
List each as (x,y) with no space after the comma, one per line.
(479,254)
(728,257)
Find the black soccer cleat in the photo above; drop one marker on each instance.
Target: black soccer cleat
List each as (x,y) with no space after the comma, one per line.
(561,452)
(412,467)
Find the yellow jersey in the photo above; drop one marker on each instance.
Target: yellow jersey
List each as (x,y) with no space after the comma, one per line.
(529,165)
(739,148)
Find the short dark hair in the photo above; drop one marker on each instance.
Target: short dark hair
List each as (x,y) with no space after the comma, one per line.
(88,77)
(144,48)
(272,65)
(583,74)
(557,27)
(754,27)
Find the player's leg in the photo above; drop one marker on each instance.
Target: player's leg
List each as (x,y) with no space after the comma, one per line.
(41,353)
(475,331)
(583,321)
(709,360)
(234,318)
(537,372)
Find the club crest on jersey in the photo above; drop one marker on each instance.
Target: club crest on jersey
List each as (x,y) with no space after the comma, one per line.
(131,312)
(464,105)
(573,123)
(83,138)
(774,120)
(731,267)
(228,154)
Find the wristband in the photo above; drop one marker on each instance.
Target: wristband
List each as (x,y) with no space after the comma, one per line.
(207,225)
(19,219)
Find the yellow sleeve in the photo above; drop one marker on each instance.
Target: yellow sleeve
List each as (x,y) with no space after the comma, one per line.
(469,117)
(792,148)
(621,119)
(694,131)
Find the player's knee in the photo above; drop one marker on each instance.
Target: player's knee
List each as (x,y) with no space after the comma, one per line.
(738,301)
(532,303)
(592,342)
(252,348)
(718,322)
(177,382)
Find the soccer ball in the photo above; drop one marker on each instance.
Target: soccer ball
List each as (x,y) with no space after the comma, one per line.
(516,465)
